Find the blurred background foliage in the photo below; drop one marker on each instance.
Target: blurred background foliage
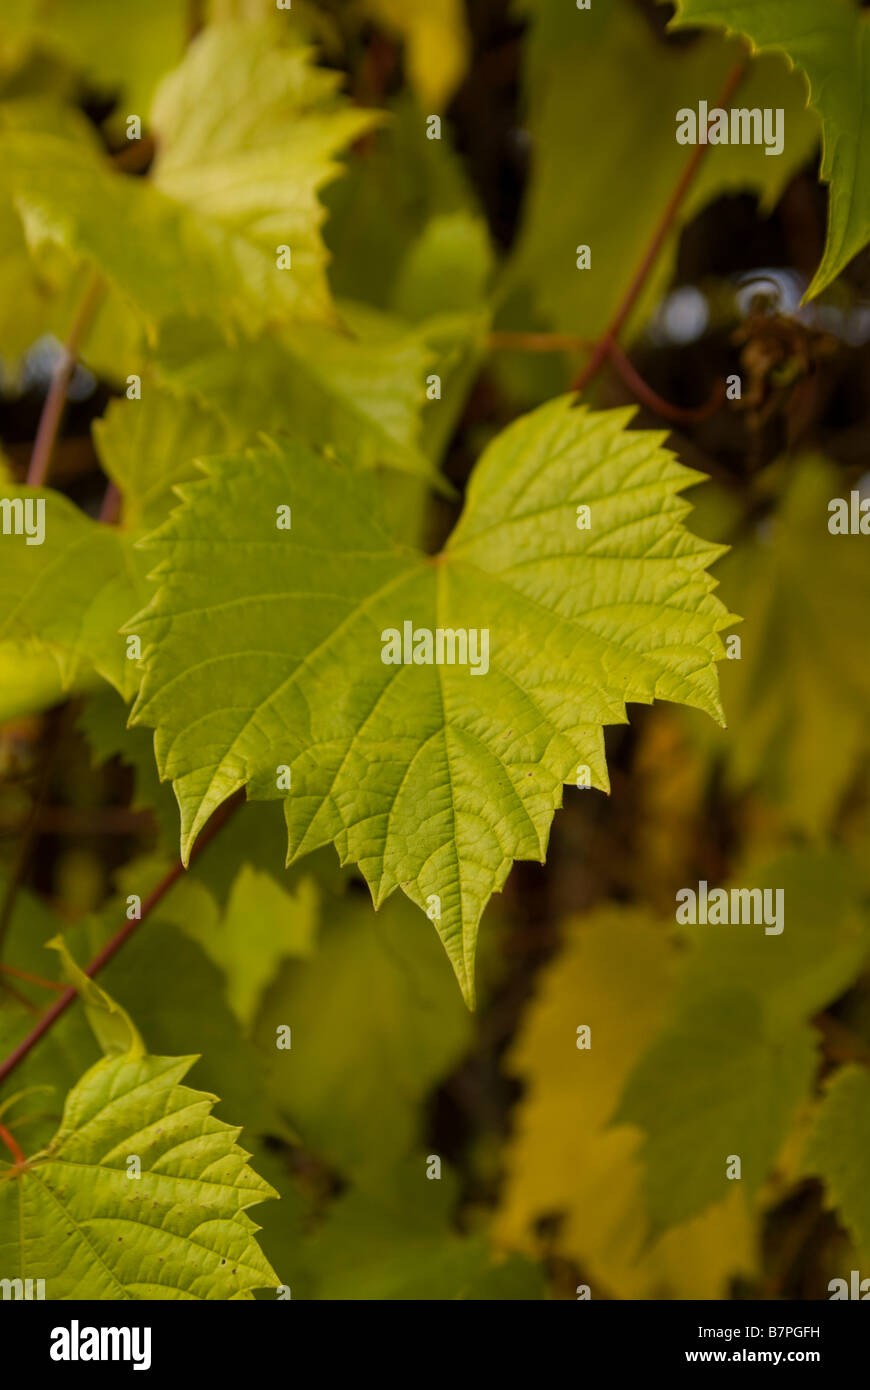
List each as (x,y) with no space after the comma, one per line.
(561,1167)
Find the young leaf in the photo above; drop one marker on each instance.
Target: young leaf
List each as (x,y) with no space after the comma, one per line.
(267,647)
(247,136)
(74,1215)
(830,44)
(113,1027)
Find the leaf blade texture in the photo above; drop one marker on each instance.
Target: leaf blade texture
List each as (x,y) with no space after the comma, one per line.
(73,1217)
(429,779)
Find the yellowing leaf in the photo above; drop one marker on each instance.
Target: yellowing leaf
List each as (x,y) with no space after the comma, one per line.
(725,1077)
(614,975)
(203,236)
(437,44)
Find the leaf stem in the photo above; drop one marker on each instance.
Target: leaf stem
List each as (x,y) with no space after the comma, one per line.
(13,1147)
(601,351)
(52,410)
(31,979)
(123,934)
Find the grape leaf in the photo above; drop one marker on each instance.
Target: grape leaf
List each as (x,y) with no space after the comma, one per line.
(614,974)
(137,979)
(74,1217)
(262,926)
(436,40)
(797,698)
(727,1073)
(58,606)
(606,185)
(426,777)
(358,394)
(147,446)
(203,238)
(125,59)
(715,1085)
(402,1028)
(836,1150)
(257,174)
(391,1237)
(830,44)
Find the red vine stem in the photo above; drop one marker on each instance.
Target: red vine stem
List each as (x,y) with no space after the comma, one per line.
(52,410)
(601,351)
(123,934)
(681,415)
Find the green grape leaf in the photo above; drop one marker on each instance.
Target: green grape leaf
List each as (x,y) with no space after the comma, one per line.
(615,975)
(837,1147)
(798,696)
(830,44)
(713,1087)
(263,925)
(606,185)
(124,59)
(395,1024)
(67,584)
(147,446)
(428,778)
(381,208)
(73,1216)
(726,1075)
(358,394)
(139,982)
(391,1237)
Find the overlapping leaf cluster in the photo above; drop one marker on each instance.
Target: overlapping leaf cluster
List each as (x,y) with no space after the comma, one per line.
(279,428)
